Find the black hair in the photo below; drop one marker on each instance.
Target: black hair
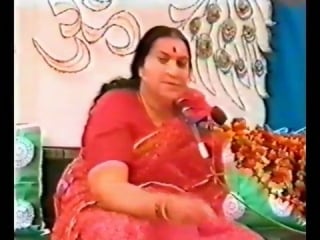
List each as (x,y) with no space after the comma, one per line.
(142,50)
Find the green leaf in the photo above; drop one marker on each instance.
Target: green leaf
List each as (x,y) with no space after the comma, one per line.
(259,213)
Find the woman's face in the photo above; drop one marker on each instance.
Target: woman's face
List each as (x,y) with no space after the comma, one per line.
(166,70)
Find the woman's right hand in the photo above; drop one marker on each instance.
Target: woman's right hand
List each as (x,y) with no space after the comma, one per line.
(195,104)
(188,210)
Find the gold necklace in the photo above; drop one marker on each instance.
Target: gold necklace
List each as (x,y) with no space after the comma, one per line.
(149,111)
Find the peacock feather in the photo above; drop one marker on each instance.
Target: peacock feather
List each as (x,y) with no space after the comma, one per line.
(229,41)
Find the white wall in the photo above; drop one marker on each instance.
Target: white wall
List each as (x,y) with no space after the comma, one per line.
(59,101)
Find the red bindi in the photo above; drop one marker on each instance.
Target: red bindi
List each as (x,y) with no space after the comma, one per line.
(174,49)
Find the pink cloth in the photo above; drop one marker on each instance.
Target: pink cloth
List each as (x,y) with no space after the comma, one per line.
(116,123)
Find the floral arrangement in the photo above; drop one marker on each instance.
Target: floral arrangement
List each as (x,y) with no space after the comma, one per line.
(268,174)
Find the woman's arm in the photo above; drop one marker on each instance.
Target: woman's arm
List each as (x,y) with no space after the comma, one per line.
(109,184)
(108,150)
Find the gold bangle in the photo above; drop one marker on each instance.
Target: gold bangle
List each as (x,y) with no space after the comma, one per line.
(161,211)
(157,210)
(164,212)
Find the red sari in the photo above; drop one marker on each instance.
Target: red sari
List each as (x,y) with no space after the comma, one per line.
(166,161)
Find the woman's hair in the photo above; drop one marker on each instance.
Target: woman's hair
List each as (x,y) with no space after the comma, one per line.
(142,50)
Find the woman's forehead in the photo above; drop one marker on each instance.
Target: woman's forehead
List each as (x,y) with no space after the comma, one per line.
(170,46)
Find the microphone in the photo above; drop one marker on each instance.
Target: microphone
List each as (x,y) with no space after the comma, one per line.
(218,115)
(206,118)
(215,114)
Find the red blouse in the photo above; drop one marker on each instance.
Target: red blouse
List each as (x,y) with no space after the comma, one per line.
(116,122)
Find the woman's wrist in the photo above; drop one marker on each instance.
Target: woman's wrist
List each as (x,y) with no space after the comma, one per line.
(161,209)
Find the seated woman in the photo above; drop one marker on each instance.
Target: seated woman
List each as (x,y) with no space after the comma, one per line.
(128,184)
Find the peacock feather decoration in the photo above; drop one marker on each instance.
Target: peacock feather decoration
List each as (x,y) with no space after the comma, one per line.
(229,41)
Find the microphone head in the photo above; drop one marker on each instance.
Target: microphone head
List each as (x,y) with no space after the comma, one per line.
(218,115)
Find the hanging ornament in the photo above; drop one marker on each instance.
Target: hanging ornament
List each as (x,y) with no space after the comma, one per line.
(228,30)
(243,9)
(24,152)
(222,60)
(204,46)
(213,13)
(194,25)
(240,68)
(258,68)
(249,33)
